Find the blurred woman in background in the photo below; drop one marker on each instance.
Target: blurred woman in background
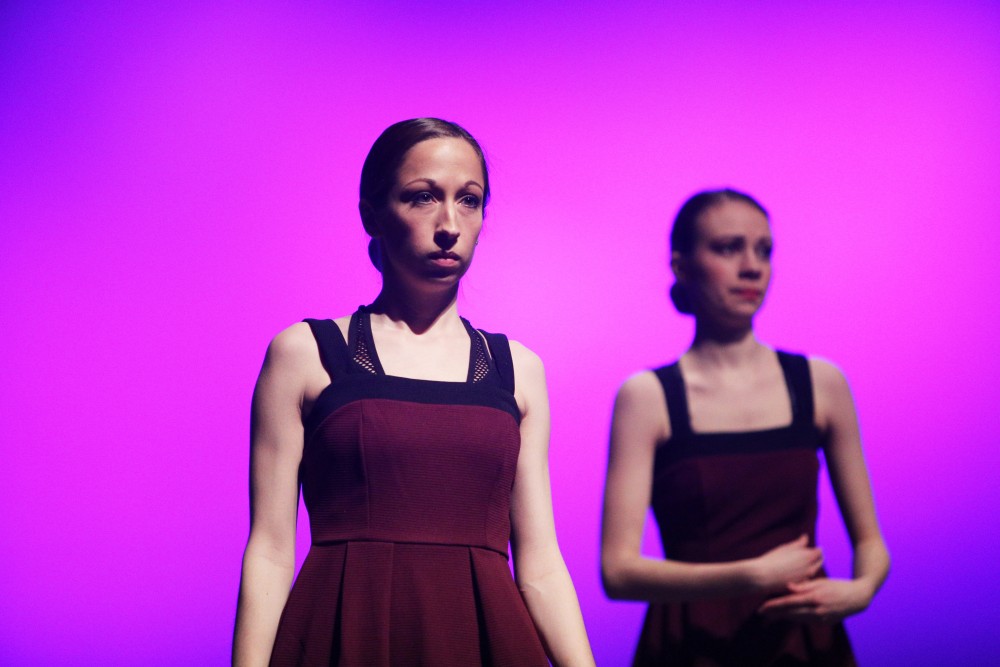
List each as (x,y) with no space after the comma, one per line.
(723,445)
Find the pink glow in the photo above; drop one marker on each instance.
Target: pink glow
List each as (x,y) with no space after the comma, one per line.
(177,185)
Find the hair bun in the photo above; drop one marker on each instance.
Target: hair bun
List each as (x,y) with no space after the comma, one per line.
(682,302)
(375,254)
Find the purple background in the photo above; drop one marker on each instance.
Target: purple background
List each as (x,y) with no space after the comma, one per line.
(177,185)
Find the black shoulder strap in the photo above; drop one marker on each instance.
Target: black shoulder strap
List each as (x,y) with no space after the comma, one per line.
(332,347)
(673,389)
(500,351)
(799,381)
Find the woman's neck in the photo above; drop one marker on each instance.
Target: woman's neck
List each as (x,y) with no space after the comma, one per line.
(725,346)
(418,311)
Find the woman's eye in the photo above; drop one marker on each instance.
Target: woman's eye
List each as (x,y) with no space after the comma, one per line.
(764,251)
(472,201)
(728,248)
(422,198)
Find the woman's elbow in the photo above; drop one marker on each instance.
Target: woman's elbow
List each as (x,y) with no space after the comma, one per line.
(886,561)
(615,579)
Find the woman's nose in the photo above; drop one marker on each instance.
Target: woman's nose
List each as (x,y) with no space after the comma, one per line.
(446,231)
(750,265)
(445,239)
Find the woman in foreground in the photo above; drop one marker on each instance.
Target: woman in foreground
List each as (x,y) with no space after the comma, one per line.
(421,445)
(723,445)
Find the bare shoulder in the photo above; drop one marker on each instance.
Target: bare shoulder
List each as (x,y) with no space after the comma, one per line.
(641,387)
(530,388)
(828,380)
(834,403)
(526,362)
(640,411)
(294,347)
(293,367)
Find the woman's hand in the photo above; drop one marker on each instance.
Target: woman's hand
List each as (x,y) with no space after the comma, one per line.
(787,564)
(823,600)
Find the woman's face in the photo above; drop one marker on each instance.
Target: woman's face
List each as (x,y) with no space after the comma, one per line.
(728,271)
(434,212)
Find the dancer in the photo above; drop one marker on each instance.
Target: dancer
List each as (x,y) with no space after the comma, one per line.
(421,447)
(723,445)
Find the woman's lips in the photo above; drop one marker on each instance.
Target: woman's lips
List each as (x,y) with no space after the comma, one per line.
(444,258)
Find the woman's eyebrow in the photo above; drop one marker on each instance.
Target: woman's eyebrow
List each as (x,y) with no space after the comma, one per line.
(429,181)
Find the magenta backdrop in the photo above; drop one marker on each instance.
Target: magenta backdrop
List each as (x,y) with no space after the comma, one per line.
(177,185)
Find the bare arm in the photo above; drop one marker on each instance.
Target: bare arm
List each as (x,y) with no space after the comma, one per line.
(541,573)
(275,452)
(833,599)
(639,423)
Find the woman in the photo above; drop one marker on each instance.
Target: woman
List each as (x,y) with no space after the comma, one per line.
(723,445)
(421,445)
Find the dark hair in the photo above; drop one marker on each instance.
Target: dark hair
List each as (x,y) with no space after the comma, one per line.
(378,174)
(685,230)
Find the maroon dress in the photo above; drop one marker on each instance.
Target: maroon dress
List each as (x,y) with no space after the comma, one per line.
(728,496)
(408,485)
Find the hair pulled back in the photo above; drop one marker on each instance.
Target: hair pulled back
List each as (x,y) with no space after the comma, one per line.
(684,233)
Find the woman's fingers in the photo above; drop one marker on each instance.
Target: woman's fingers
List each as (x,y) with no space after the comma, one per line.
(787,602)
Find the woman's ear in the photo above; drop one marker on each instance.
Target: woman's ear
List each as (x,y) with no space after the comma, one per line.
(369,219)
(678,266)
